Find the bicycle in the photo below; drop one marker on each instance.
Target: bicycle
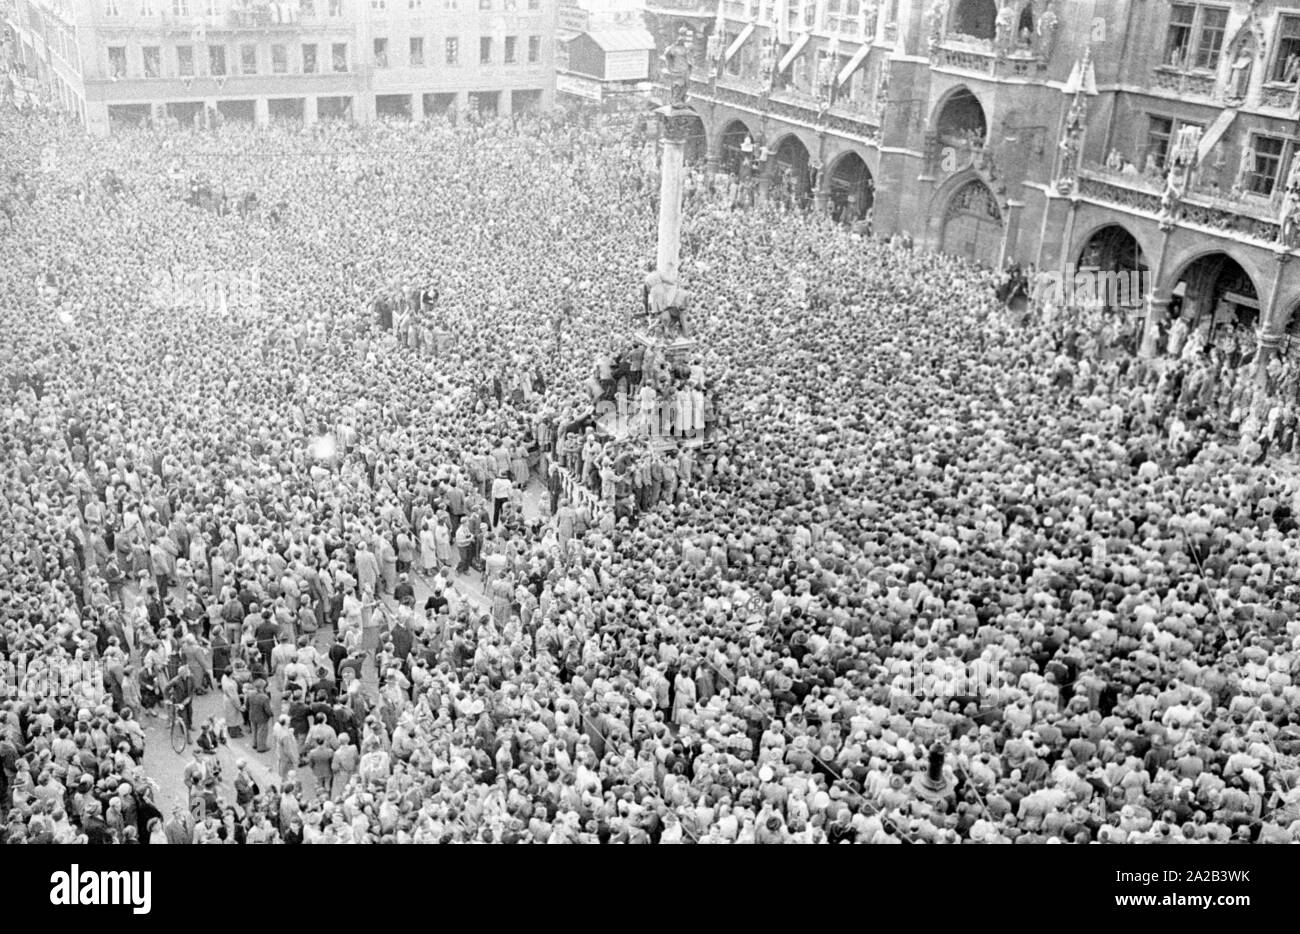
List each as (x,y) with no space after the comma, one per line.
(178,730)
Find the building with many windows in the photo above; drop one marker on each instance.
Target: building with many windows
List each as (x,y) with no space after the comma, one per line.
(258,60)
(1130,136)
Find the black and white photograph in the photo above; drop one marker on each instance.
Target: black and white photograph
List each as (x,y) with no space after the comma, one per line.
(651,422)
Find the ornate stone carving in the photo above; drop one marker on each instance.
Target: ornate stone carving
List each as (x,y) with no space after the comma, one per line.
(936,23)
(1246,52)
(1289,219)
(1048,26)
(1005,30)
(1182,162)
(676,64)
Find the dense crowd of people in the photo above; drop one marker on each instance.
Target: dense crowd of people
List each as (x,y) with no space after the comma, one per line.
(954,573)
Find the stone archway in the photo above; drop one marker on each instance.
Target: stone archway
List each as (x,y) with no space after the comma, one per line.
(1214,303)
(1114,267)
(959,120)
(733,155)
(790,170)
(851,188)
(973,226)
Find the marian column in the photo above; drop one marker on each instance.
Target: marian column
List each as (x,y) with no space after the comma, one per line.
(672,171)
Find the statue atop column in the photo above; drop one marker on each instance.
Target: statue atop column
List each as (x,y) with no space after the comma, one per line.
(676,65)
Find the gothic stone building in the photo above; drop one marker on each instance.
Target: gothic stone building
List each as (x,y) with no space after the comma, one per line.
(1147,138)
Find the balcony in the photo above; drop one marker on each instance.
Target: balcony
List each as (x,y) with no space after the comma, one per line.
(1279,96)
(1247,217)
(965,53)
(1184,83)
(846,119)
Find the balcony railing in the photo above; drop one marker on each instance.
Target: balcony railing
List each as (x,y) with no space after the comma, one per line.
(1248,217)
(791,105)
(966,53)
(1279,96)
(1184,83)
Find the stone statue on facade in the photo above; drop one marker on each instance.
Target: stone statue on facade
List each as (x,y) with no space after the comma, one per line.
(1289,221)
(1244,167)
(1005,29)
(676,65)
(1181,163)
(1048,26)
(1239,76)
(936,20)
(1070,145)
(882,91)
(767,62)
(825,78)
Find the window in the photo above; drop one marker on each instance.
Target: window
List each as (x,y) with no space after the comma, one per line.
(336,7)
(511,6)
(511,57)
(1159,131)
(1181,17)
(451,4)
(216,60)
(381,53)
(378,4)
(248,60)
(1210,46)
(117,61)
(111,8)
(307,7)
(534,49)
(534,4)
(485,5)
(1262,171)
(485,50)
(309,58)
(214,7)
(180,7)
(453,50)
(1286,58)
(147,8)
(279,60)
(340,56)
(414,4)
(185,61)
(417,51)
(152,61)
(1195,38)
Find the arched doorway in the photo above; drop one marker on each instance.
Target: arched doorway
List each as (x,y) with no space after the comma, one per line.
(697,141)
(976,18)
(1114,269)
(972,224)
(734,155)
(852,189)
(961,120)
(790,172)
(1215,304)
